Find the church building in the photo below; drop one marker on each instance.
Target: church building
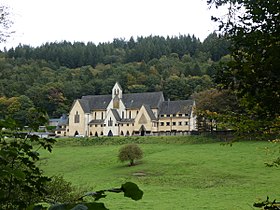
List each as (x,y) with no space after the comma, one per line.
(129,114)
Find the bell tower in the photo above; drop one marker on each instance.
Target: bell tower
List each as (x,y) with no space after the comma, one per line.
(117,91)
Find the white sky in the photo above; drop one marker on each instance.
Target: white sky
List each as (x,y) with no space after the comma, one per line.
(40,21)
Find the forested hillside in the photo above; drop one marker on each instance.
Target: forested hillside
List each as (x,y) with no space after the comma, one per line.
(55,74)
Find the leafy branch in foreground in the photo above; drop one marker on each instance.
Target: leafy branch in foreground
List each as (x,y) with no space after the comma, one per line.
(21,180)
(130,190)
(271,205)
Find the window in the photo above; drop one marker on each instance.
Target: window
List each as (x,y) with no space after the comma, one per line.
(102,115)
(95,115)
(186,123)
(127,124)
(129,114)
(168,115)
(167,123)
(77,117)
(122,114)
(95,125)
(110,122)
(180,123)
(161,123)
(162,115)
(180,115)
(173,123)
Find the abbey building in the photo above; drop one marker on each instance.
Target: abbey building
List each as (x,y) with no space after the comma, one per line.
(130,114)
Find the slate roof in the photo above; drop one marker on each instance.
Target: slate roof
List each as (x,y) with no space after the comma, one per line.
(63,120)
(150,112)
(116,114)
(84,105)
(126,120)
(96,122)
(97,102)
(176,107)
(131,101)
(136,100)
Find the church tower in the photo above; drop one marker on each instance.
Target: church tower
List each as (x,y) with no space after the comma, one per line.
(117,91)
(116,95)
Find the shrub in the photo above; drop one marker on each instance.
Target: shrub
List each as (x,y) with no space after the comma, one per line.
(130,152)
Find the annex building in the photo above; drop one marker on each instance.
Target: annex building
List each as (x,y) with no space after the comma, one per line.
(130,114)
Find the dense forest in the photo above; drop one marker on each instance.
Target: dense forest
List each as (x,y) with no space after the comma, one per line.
(55,74)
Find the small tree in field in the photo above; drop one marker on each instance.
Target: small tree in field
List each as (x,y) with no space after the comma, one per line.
(130,152)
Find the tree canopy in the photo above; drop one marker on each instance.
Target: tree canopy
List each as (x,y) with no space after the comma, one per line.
(55,74)
(253,30)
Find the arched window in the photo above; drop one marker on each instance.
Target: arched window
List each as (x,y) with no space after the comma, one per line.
(110,122)
(77,117)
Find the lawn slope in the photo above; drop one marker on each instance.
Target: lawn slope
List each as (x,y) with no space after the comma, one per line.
(175,173)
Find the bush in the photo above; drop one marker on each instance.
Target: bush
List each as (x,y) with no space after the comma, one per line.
(130,152)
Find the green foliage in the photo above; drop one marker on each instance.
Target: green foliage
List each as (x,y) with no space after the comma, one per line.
(55,74)
(130,190)
(21,181)
(254,71)
(58,190)
(130,152)
(212,108)
(23,112)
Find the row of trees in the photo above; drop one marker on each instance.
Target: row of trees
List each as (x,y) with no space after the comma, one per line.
(77,54)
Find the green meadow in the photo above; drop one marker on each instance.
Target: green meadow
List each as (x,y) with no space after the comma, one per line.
(190,172)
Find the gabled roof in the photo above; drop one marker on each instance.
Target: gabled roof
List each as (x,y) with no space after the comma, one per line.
(63,120)
(136,100)
(176,107)
(97,102)
(116,114)
(84,105)
(150,112)
(131,101)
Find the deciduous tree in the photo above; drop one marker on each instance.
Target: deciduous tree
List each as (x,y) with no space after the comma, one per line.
(253,28)
(130,152)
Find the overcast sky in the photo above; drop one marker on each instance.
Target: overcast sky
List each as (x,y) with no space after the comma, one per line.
(40,21)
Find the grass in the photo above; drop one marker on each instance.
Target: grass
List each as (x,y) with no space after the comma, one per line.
(176,172)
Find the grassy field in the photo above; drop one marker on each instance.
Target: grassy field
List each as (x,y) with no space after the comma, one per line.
(177,172)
